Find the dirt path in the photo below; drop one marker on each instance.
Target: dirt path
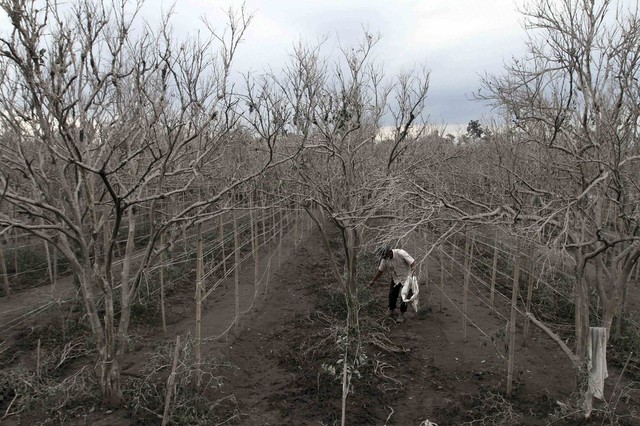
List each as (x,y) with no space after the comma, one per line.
(28,306)
(444,370)
(23,308)
(267,309)
(259,377)
(441,370)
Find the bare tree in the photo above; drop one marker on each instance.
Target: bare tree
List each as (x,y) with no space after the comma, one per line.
(340,109)
(568,164)
(109,125)
(346,175)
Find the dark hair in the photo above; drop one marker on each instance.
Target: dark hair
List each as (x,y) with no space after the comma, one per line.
(383,250)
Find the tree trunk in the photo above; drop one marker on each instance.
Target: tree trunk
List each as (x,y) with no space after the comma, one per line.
(111,340)
(581,315)
(110,375)
(612,305)
(623,303)
(351,264)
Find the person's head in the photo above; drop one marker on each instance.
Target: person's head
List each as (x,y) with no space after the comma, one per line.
(389,254)
(385,252)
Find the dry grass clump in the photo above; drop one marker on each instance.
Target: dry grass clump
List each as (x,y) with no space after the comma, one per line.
(189,404)
(21,391)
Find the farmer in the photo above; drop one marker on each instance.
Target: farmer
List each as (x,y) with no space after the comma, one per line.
(401,267)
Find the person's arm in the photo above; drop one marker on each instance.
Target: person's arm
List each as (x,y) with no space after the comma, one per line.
(375,277)
(410,261)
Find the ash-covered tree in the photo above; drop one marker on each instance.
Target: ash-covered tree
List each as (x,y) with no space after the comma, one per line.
(336,108)
(563,171)
(347,171)
(569,163)
(108,125)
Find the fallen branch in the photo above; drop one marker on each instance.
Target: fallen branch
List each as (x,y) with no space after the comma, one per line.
(7,413)
(389,416)
(171,384)
(378,370)
(381,341)
(67,354)
(574,359)
(615,388)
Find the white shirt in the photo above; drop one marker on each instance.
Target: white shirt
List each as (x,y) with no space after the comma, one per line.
(399,266)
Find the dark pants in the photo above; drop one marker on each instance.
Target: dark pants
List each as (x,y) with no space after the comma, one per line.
(394,292)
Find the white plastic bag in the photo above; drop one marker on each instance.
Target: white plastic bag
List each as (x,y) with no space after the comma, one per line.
(410,284)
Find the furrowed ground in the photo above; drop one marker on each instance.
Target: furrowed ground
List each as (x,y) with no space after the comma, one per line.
(283,365)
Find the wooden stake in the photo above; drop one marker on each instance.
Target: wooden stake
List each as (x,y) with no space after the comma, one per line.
(265,217)
(184,240)
(171,384)
(494,271)
(253,224)
(452,266)
(162,311)
(16,272)
(199,275)
(345,389)
(296,231)
(266,284)
(425,267)
(467,277)
(531,265)
(221,233)
(255,243)
(38,365)
(623,304)
(274,231)
(301,227)
(441,277)
(105,231)
(236,249)
(512,325)
(3,271)
(280,237)
(47,253)
(55,268)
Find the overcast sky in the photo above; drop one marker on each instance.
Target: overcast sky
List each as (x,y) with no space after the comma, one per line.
(457,40)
